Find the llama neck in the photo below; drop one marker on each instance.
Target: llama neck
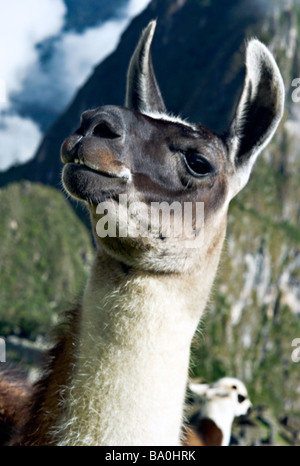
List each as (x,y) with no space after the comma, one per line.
(131,369)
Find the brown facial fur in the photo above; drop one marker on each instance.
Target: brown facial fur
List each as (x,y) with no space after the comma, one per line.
(154,153)
(152,149)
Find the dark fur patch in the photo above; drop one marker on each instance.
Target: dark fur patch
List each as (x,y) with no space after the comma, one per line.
(204,433)
(14,394)
(43,407)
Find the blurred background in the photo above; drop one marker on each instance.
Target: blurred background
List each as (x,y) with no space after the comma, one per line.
(61,57)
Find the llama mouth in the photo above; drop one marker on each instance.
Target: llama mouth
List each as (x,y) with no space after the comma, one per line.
(90,184)
(123,174)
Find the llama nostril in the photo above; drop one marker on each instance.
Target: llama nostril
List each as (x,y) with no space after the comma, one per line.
(103,130)
(69,148)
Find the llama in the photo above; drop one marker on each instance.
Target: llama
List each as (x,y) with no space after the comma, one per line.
(117,375)
(222,401)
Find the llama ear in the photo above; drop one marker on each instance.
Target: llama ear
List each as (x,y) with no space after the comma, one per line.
(258,113)
(199,388)
(142,91)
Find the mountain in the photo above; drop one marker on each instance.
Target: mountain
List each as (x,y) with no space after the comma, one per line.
(204,70)
(86,13)
(253,318)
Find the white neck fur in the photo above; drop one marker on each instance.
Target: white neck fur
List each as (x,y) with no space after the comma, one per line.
(129,381)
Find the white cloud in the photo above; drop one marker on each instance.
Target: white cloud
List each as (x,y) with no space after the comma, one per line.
(76,54)
(19,138)
(24,24)
(3,92)
(135,7)
(73,60)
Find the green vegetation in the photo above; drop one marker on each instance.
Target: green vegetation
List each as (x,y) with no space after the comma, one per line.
(254,313)
(44,257)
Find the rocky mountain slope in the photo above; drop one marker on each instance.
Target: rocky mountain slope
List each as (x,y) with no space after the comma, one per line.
(254,313)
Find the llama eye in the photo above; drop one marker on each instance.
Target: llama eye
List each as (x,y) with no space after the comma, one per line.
(241,398)
(198,165)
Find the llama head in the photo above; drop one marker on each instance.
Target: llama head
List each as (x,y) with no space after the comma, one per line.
(237,392)
(228,396)
(138,168)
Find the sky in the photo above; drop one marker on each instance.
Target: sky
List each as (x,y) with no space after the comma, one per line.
(25,25)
